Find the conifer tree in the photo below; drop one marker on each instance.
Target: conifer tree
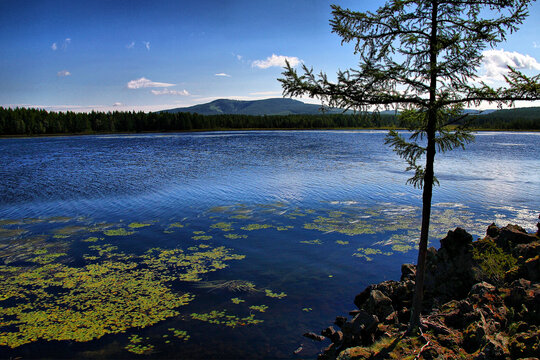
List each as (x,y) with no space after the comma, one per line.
(421,57)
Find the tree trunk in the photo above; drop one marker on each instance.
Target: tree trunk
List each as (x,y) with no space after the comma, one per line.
(416,309)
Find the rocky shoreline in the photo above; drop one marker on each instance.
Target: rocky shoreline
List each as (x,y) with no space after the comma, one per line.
(482,301)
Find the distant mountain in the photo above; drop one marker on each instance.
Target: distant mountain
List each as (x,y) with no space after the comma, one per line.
(276,106)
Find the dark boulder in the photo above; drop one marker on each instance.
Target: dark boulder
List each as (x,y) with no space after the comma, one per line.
(512,235)
(408,272)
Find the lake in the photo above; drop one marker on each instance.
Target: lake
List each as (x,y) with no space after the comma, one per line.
(224,244)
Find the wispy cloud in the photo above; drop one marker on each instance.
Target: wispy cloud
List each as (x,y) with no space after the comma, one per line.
(496,63)
(536,45)
(116,104)
(146,45)
(63,73)
(131,45)
(222,75)
(64,45)
(146,83)
(170,92)
(276,60)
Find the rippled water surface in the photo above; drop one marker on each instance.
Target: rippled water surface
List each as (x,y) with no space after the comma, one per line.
(223,244)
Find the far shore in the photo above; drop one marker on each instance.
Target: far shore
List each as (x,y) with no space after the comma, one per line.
(238,129)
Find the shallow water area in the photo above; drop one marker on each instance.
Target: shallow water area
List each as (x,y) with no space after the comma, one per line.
(223,244)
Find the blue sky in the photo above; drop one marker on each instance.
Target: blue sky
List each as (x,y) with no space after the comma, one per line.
(152,55)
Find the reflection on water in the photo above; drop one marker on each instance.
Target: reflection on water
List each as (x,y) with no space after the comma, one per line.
(222,245)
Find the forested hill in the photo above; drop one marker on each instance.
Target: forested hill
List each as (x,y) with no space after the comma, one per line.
(22,121)
(276,106)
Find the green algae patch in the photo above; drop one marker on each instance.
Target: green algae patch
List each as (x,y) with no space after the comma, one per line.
(312,242)
(68,231)
(31,249)
(366,253)
(222,318)
(176,225)
(340,225)
(272,294)
(95,300)
(136,346)
(223,226)
(307,309)
(118,232)
(113,292)
(252,227)
(341,242)
(136,225)
(229,285)
(241,217)
(235,236)
(401,248)
(202,237)
(92,239)
(180,334)
(259,308)
(284,228)
(237,300)
(189,265)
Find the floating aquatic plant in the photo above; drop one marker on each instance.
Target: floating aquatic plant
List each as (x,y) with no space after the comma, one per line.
(237,300)
(180,334)
(235,236)
(259,308)
(284,228)
(222,318)
(176,225)
(229,285)
(401,248)
(118,232)
(366,252)
(342,226)
(136,225)
(252,227)
(312,242)
(135,346)
(341,242)
(92,239)
(271,294)
(202,237)
(223,226)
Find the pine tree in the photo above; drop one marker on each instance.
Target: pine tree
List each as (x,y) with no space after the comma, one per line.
(422,57)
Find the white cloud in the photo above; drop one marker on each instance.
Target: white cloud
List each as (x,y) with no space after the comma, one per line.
(496,63)
(170,92)
(146,45)
(117,104)
(64,46)
(276,60)
(536,45)
(63,73)
(131,45)
(145,83)
(222,75)
(239,57)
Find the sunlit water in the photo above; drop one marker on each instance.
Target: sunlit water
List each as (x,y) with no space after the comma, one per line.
(318,216)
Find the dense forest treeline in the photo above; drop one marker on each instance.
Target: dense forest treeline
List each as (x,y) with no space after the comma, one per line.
(23,121)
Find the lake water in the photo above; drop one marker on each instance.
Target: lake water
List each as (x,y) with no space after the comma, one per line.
(224,244)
